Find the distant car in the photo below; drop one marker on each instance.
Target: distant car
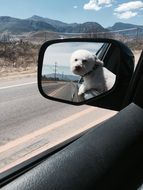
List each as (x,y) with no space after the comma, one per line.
(110,155)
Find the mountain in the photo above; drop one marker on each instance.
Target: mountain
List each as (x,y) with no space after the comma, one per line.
(55,23)
(63,77)
(41,24)
(88,27)
(71,28)
(123,26)
(16,26)
(128,30)
(36,23)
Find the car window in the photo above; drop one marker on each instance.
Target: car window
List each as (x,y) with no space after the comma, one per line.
(102,51)
(30,124)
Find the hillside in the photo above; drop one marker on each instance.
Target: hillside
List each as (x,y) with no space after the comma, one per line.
(39,24)
(36,23)
(128,29)
(123,26)
(55,23)
(17,26)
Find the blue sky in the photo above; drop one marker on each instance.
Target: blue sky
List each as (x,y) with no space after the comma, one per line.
(105,12)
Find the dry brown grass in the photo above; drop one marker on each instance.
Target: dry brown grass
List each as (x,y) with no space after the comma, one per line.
(21,57)
(18,57)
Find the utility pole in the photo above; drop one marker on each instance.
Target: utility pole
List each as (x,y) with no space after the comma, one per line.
(55,70)
(45,37)
(62,75)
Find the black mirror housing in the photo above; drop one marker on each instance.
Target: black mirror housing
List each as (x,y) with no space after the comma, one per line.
(118,59)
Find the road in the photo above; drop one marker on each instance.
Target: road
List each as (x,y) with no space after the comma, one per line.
(62,90)
(50,87)
(30,124)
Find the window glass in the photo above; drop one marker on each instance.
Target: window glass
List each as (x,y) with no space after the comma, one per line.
(30,124)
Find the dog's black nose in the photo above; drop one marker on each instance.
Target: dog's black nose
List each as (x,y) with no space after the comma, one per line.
(78,67)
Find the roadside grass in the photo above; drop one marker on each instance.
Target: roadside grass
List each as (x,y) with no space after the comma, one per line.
(21,57)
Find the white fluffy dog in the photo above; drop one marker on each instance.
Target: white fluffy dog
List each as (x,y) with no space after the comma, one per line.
(95,76)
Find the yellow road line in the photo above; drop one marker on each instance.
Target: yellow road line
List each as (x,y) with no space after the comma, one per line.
(55,91)
(44,130)
(57,143)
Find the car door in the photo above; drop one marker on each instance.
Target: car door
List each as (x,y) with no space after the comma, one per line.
(108,156)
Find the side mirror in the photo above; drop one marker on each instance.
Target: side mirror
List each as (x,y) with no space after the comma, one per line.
(85,71)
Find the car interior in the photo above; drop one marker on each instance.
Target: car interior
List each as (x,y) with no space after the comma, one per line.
(108,156)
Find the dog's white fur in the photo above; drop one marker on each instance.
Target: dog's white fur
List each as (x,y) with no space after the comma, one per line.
(95,75)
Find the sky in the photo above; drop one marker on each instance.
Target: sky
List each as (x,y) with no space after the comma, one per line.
(61,52)
(104,12)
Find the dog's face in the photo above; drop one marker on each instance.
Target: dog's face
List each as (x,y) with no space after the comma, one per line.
(83,61)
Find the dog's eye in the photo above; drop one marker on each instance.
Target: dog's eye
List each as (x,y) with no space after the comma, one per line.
(84,61)
(76,59)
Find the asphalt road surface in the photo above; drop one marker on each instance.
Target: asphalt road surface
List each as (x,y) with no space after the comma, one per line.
(30,124)
(62,90)
(50,87)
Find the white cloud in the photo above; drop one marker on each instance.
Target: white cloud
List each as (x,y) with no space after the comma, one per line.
(128,10)
(105,2)
(97,4)
(132,5)
(126,15)
(92,5)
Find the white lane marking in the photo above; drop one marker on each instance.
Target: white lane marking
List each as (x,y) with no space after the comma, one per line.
(17,85)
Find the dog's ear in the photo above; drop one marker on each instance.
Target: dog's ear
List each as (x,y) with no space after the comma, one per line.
(98,62)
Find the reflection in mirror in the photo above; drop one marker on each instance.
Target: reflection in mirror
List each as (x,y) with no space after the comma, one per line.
(76,71)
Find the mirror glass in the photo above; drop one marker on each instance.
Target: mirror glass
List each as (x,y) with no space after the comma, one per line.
(78,71)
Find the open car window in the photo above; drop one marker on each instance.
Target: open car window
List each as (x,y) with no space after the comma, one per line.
(31,126)
(101,53)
